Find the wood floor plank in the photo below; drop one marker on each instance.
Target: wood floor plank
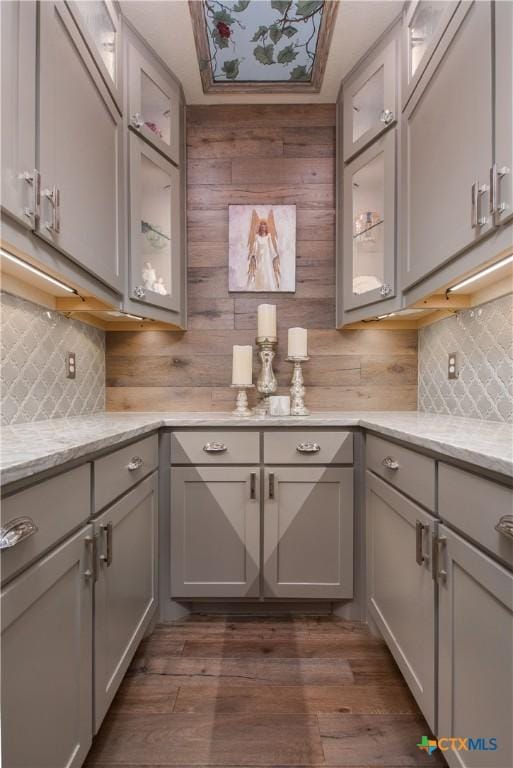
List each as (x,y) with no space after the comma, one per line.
(172,740)
(224,699)
(317,648)
(374,740)
(146,693)
(245,672)
(263,629)
(375,671)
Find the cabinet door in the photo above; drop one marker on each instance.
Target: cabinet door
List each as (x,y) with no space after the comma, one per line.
(308,532)
(401,591)
(78,144)
(370,102)
(47,660)
(215,532)
(18,99)
(448,146)
(154,104)
(155,228)
(424,24)
(475,653)
(100,27)
(125,593)
(369,227)
(501,180)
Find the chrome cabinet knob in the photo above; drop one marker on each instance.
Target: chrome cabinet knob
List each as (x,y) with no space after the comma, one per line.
(139,292)
(308,447)
(390,463)
(137,120)
(386,116)
(505,526)
(386,289)
(215,447)
(16,530)
(135,463)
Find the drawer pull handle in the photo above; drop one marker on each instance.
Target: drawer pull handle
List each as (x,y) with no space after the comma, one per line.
(308,448)
(271,485)
(420,557)
(16,530)
(92,573)
(107,557)
(135,463)
(252,485)
(390,463)
(505,526)
(439,574)
(215,447)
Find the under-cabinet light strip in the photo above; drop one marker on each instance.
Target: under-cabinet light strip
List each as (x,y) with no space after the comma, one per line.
(482,273)
(36,271)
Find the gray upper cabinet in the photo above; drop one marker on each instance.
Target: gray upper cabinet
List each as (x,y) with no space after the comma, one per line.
(401,591)
(370,101)
(308,532)
(47,660)
(501,180)
(447,146)
(369,226)
(154,103)
(215,532)
(424,24)
(99,25)
(18,101)
(475,652)
(156,248)
(79,140)
(126,590)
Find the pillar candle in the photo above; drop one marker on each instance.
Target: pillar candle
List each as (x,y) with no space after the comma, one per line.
(242,371)
(266,320)
(298,342)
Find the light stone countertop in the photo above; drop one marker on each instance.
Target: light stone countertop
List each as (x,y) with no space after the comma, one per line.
(27,449)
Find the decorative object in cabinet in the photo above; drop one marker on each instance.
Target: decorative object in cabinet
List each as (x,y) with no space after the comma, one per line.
(370,102)
(154,104)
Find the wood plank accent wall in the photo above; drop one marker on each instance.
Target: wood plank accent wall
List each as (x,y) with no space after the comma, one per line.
(268,154)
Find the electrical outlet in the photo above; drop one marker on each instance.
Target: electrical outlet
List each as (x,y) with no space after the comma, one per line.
(452,369)
(71,367)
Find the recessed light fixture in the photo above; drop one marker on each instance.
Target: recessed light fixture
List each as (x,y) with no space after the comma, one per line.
(482,273)
(36,271)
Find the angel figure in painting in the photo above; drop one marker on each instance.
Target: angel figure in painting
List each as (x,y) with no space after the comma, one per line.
(263,256)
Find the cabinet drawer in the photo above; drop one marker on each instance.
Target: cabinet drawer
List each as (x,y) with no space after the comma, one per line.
(308,447)
(215,447)
(119,471)
(409,471)
(56,507)
(475,505)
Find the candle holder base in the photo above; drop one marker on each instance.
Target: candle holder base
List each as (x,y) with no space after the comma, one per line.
(297,388)
(242,408)
(266,382)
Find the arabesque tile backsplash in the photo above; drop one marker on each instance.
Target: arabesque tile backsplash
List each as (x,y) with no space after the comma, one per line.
(34,342)
(483,341)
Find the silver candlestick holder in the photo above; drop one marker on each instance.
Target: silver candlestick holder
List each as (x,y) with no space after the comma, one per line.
(241,403)
(297,388)
(266,382)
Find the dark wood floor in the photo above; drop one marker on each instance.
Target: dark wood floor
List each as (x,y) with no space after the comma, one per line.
(223,691)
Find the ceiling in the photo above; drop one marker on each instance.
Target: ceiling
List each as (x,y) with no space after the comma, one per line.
(167,27)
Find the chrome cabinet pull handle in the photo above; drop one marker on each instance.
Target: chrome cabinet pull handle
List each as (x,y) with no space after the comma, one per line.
(473,204)
(390,463)
(477,191)
(271,485)
(438,574)
(386,116)
(252,485)
(308,447)
(16,530)
(34,179)
(54,198)
(136,462)
(505,526)
(215,447)
(497,207)
(420,557)
(107,557)
(92,573)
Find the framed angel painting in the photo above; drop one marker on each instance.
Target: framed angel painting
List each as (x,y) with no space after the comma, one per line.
(262,248)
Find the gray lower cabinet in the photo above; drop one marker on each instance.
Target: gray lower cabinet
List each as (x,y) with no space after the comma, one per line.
(308,532)
(78,146)
(401,591)
(215,532)
(502,173)
(47,660)
(126,588)
(18,101)
(475,653)
(447,147)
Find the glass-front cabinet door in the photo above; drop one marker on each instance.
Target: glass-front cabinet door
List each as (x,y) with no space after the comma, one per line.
(370,102)
(155,227)
(98,22)
(424,25)
(154,105)
(369,225)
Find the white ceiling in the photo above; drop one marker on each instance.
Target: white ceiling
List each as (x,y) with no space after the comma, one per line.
(166,25)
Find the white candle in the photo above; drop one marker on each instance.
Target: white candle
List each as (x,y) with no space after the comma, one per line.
(242,371)
(267,320)
(298,345)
